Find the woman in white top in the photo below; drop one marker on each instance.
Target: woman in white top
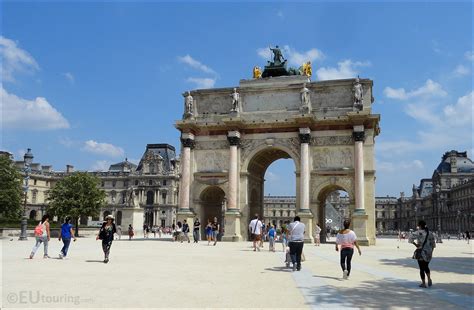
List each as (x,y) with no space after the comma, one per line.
(42,234)
(346,239)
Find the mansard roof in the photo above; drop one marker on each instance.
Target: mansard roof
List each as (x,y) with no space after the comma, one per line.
(123,166)
(463,163)
(162,152)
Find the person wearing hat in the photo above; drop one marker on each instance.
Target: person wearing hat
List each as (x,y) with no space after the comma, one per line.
(106,234)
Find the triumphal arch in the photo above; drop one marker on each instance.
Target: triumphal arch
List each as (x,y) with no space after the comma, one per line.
(230,136)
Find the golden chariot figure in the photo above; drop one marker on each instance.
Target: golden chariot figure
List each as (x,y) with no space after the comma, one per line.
(257,72)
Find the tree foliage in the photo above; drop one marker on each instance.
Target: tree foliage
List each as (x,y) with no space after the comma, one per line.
(11,193)
(76,195)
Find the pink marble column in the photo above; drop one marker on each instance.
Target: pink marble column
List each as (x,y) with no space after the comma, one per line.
(359,137)
(305,137)
(234,140)
(185,180)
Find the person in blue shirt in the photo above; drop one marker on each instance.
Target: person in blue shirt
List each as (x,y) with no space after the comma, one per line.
(271,238)
(66,233)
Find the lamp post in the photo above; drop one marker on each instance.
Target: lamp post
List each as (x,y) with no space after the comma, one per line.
(28,160)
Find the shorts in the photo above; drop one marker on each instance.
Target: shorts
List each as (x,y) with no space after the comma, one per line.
(256,237)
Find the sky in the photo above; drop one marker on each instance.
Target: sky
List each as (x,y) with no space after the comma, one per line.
(91,83)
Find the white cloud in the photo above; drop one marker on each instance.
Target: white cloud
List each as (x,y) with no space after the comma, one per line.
(280,14)
(294,57)
(430,89)
(69,77)
(345,69)
(460,113)
(445,127)
(397,166)
(14,60)
(461,70)
(202,82)
(469,55)
(272,177)
(101,165)
(35,114)
(193,63)
(106,149)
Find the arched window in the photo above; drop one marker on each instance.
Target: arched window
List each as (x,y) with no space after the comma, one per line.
(150,197)
(32,214)
(119,218)
(152,169)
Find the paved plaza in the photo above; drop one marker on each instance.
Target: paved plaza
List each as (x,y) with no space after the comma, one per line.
(152,273)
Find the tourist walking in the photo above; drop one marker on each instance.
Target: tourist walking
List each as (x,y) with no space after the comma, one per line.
(317,235)
(196,228)
(296,237)
(468,236)
(65,234)
(255,229)
(130,232)
(424,241)
(346,239)
(215,230)
(42,235)
(179,232)
(186,231)
(106,234)
(209,231)
(271,238)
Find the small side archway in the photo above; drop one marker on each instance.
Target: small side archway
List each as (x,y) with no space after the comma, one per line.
(211,204)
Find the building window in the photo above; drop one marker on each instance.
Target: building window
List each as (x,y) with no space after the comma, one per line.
(152,169)
(34,181)
(150,182)
(34,195)
(164,182)
(114,183)
(103,184)
(163,196)
(125,183)
(149,197)
(136,182)
(112,196)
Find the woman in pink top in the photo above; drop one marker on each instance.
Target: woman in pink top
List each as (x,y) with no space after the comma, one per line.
(346,239)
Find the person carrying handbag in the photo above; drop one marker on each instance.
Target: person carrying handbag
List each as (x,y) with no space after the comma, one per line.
(425,243)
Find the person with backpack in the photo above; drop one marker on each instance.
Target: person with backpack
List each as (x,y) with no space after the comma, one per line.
(65,234)
(42,235)
(255,229)
(425,244)
(106,234)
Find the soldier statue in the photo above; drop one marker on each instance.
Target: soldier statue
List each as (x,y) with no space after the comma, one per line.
(277,56)
(235,101)
(188,104)
(305,100)
(358,91)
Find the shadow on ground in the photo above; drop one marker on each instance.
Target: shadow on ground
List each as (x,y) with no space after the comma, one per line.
(368,295)
(460,265)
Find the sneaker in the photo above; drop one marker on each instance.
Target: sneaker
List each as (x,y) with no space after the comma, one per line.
(422,285)
(61,255)
(298,267)
(31,256)
(344,274)
(106,261)
(294,267)
(430,283)
(46,256)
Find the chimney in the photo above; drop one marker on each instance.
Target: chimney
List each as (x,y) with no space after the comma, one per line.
(69,168)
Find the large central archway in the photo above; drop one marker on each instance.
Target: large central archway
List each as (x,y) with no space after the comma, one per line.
(211,204)
(255,169)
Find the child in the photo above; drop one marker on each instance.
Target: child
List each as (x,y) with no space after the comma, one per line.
(271,238)
(287,257)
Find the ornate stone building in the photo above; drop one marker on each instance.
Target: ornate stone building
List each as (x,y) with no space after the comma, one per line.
(279,209)
(327,129)
(385,214)
(135,194)
(445,201)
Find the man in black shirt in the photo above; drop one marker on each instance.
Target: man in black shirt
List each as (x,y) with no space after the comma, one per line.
(197,226)
(186,230)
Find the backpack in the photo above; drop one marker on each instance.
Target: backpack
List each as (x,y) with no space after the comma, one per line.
(39,230)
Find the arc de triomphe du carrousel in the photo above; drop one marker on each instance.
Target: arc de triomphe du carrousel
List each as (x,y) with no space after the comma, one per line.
(230,136)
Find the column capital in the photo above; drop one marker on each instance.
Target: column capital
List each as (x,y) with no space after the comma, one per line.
(359,136)
(304,135)
(233,137)
(187,139)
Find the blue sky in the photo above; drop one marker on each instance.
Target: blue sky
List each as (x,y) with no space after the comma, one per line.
(91,83)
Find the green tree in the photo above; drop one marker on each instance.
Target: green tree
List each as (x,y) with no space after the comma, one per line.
(11,193)
(76,195)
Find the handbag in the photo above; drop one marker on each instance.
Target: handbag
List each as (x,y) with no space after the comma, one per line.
(417,254)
